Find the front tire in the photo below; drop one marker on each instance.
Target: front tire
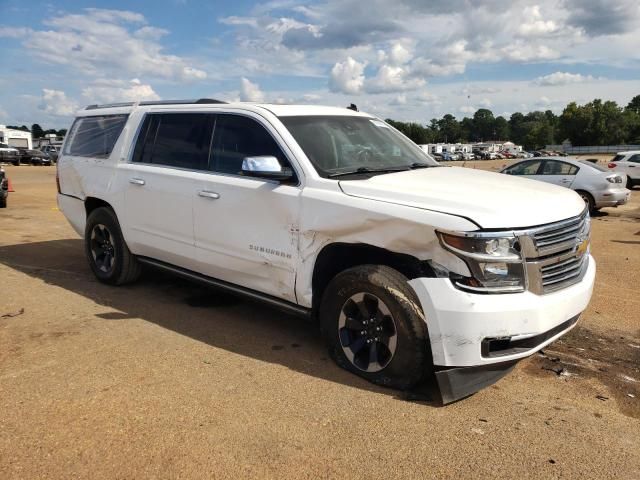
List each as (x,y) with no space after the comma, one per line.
(374,327)
(105,248)
(629,183)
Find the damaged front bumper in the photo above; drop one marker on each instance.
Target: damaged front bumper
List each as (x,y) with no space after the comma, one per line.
(476,339)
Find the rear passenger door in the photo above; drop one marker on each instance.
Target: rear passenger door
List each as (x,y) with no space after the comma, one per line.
(632,167)
(246,228)
(558,172)
(160,185)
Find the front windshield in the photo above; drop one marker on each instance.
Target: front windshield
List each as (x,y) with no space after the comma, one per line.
(338,145)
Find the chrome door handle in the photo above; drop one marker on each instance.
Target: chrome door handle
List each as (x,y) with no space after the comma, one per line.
(565,181)
(136,181)
(208,194)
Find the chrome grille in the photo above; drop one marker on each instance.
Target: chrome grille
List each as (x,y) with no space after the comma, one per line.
(555,255)
(559,275)
(559,236)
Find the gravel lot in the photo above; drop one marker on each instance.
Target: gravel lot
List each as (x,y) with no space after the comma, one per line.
(165,379)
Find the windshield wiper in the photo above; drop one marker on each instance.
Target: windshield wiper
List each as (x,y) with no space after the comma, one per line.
(368,170)
(415,165)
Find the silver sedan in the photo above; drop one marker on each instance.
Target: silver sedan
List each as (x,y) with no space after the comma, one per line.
(597,186)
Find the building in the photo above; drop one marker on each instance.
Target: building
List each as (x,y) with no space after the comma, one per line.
(446,148)
(48,139)
(15,138)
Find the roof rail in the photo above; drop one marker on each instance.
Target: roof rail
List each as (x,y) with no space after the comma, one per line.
(156,102)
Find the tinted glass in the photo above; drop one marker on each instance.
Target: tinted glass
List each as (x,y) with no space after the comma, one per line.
(617,158)
(524,168)
(237,137)
(558,168)
(634,158)
(95,136)
(175,139)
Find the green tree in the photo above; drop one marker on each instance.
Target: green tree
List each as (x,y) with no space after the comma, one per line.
(484,124)
(448,129)
(634,105)
(36,131)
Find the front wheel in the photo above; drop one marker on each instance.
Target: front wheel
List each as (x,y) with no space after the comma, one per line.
(375,328)
(629,183)
(107,253)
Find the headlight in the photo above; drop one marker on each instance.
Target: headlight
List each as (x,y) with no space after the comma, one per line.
(494,260)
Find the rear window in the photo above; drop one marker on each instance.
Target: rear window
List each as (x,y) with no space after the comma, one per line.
(617,158)
(95,136)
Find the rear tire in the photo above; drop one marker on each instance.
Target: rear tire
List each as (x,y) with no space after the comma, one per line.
(106,251)
(374,327)
(3,202)
(588,200)
(629,183)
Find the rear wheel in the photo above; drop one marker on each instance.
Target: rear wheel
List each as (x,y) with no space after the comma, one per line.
(374,326)
(588,200)
(3,202)
(107,253)
(629,183)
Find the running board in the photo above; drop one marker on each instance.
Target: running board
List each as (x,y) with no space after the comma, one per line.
(278,303)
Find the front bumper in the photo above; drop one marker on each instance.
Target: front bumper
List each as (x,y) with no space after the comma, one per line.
(462,325)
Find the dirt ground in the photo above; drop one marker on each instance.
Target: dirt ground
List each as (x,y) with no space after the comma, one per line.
(164,379)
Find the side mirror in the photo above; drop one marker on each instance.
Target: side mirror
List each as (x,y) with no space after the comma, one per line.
(265,167)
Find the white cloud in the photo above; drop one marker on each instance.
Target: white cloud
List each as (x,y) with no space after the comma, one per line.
(392,79)
(56,103)
(533,25)
(250,92)
(467,109)
(562,78)
(347,77)
(106,42)
(119,91)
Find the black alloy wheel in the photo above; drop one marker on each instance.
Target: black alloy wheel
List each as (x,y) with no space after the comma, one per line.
(367,331)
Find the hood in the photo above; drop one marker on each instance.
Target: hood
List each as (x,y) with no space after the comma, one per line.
(492,200)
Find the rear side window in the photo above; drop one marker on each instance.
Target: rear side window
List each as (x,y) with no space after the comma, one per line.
(176,140)
(237,137)
(558,168)
(634,158)
(617,158)
(95,136)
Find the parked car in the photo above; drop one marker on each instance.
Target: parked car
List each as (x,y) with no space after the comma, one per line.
(467,156)
(52,151)
(596,186)
(9,154)
(412,270)
(33,157)
(450,157)
(629,164)
(4,188)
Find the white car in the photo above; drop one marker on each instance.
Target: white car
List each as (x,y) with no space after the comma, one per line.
(597,186)
(413,270)
(629,164)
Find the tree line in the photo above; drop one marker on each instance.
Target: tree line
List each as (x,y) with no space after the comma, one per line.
(595,123)
(38,132)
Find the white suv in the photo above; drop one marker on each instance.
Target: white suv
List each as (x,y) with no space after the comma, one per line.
(629,164)
(412,269)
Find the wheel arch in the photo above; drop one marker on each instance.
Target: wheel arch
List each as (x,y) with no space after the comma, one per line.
(91,203)
(337,257)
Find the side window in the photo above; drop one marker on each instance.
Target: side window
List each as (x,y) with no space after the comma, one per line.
(237,137)
(634,158)
(94,136)
(176,140)
(524,168)
(552,167)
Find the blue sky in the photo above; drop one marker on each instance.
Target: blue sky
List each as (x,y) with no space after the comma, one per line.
(406,59)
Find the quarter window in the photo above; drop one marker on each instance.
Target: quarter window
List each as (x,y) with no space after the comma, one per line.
(95,136)
(237,137)
(179,140)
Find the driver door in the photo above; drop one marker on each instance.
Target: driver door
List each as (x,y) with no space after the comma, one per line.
(246,228)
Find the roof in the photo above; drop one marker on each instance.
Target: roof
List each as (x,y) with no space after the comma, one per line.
(277,109)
